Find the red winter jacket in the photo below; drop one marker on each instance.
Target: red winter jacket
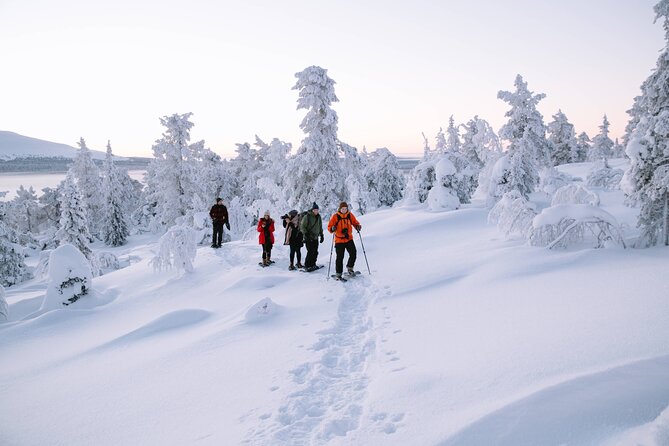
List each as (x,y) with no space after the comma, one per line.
(261,229)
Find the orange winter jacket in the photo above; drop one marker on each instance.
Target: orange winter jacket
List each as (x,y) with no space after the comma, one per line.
(343,221)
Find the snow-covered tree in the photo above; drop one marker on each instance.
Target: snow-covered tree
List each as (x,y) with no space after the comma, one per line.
(513,214)
(526,133)
(316,172)
(481,148)
(602,145)
(25,210)
(453,141)
(583,144)
(363,197)
(647,180)
(563,141)
(426,148)
(89,184)
(114,226)
(73,225)
(273,160)
(12,262)
(440,144)
(70,277)
(442,195)
(385,177)
(177,249)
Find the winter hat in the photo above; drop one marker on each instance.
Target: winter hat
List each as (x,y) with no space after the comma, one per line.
(218,199)
(266,214)
(292,213)
(342,205)
(314,206)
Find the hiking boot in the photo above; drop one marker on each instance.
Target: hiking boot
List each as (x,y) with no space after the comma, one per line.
(299,265)
(350,271)
(291,267)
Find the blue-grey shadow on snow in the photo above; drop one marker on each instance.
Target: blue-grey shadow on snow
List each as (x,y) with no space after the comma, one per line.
(582,411)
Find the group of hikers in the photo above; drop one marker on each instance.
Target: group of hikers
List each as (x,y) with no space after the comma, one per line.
(302,229)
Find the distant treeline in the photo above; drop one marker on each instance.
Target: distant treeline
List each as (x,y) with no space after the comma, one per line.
(61,164)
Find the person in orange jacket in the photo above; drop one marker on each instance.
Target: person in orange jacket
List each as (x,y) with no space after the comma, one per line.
(341,225)
(266,238)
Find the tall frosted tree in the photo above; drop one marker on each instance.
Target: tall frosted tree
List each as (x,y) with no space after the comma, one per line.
(440,143)
(426,148)
(526,133)
(453,140)
(562,137)
(602,145)
(317,174)
(362,197)
(583,144)
(73,225)
(25,210)
(385,176)
(114,227)
(89,183)
(646,182)
(13,268)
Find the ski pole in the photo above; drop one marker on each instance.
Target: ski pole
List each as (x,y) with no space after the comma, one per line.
(330,262)
(363,251)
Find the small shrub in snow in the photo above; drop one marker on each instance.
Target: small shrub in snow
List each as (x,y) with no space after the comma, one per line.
(551,179)
(575,194)
(108,261)
(422,180)
(443,196)
(567,225)
(4,308)
(604,177)
(176,249)
(70,277)
(513,214)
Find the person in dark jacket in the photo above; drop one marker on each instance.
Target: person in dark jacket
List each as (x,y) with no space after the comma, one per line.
(312,230)
(266,238)
(291,222)
(219,217)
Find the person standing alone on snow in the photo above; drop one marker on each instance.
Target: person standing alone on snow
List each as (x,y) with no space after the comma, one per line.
(312,230)
(341,225)
(266,238)
(219,217)
(291,222)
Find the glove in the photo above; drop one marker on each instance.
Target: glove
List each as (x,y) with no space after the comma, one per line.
(358,228)
(227,225)
(333,228)
(322,238)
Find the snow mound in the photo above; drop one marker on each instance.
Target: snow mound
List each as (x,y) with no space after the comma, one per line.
(165,323)
(70,277)
(262,310)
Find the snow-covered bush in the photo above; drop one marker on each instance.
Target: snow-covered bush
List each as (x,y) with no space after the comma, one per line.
(604,176)
(513,214)
(42,268)
(4,308)
(203,227)
(575,194)
(70,277)
(497,180)
(421,181)
(177,249)
(551,179)
(567,225)
(443,195)
(108,261)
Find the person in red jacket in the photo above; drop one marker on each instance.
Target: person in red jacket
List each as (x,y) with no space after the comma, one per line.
(341,225)
(266,238)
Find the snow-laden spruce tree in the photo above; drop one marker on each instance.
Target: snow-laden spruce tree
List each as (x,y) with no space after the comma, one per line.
(453,143)
(316,172)
(363,198)
(273,161)
(528,148)
(73,224)
(427,152)
(481,148)
(440,143)
(12,262)
(114,225)
(244,170)
(602,145)
(384,176)
(562,137)
(89,184)
(583,144)
(646,182)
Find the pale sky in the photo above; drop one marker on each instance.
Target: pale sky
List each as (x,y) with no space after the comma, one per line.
(109,69)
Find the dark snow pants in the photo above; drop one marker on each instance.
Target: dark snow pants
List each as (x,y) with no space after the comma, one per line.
(296,251)
(267,251)
(217,238)
(312,253)
(352,254)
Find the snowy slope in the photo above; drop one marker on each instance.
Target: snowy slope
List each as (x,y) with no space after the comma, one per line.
(13,145)
(458,337)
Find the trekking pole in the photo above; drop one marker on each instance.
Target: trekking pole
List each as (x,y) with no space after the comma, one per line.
(363,251)
(330,262)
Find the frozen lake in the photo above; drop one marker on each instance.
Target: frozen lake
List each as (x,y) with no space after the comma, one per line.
(11,181)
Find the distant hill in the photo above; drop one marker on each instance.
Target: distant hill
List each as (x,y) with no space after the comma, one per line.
(20,153)
(13,145)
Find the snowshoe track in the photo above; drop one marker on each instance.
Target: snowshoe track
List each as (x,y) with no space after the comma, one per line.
(329,401)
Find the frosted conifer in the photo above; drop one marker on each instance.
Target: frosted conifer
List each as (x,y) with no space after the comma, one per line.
(89,184)
(563,140)
(602,145)
(114,227)
(73,225)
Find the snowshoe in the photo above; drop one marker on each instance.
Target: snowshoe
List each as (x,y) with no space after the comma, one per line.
(338,277)
(312,268)
(352,273)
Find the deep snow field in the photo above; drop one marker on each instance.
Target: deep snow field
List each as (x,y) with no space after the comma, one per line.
(458,337)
